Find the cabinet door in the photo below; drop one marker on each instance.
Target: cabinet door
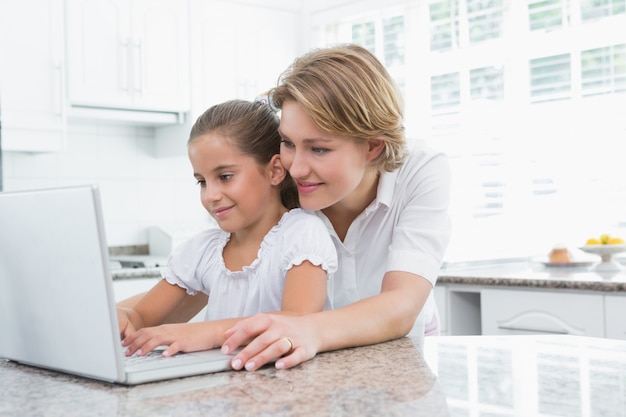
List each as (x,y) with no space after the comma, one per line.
(32,75)
(615,316)
(540,312)
(160,55)
(99,50)
(128,54)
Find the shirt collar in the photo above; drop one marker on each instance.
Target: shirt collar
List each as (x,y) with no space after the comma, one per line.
(384,193)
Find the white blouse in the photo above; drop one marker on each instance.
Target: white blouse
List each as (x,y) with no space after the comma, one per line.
(198,265)
(406,228)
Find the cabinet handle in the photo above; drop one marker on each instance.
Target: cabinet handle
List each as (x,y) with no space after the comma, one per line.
(59,105)
(523,329)
(138,67)
(123,68)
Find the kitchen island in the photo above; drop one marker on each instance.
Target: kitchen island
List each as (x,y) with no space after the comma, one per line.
(449,376)
(529,297)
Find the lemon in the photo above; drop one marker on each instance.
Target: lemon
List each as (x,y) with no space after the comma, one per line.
(593,241)
(615,241)
(604,238)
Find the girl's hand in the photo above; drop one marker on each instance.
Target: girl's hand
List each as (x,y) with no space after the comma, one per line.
(180,337)
(125,325)
(288,339)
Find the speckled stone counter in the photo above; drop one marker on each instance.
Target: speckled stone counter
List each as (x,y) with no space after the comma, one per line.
(389,379)
(454,376)
(533,274)
(135,273)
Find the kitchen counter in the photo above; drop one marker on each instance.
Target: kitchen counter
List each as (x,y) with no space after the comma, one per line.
(516,273)
(530,273)
(456,375)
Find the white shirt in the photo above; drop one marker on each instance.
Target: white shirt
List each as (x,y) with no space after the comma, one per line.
(405,228)
(198,265)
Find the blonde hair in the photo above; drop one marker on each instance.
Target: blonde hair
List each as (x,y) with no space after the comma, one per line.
(348,92)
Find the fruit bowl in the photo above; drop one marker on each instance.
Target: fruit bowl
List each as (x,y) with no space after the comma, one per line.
(606,252)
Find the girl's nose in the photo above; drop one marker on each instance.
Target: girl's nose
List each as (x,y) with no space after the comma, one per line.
(211,194)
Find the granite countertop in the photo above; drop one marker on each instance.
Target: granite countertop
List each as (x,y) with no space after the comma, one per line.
(514,273)
(452,375)
(533,273)
(135,273)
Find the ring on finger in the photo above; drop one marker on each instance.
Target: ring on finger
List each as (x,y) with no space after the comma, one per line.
(288,340)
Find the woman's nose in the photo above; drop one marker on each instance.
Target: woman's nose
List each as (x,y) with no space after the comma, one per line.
(298,167)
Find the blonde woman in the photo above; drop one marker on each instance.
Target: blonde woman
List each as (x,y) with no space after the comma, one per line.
(385,208)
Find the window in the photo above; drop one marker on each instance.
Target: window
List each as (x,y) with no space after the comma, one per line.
(526,97)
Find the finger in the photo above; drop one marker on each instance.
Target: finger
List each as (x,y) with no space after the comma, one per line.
(277,349)
(289,361)
(126,329)
(253,349)
(172,350)
(243,331)
(141,342)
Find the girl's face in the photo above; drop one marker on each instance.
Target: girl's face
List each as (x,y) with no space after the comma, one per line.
(234,189)
(327,169)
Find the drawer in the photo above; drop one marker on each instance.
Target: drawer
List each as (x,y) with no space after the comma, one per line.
(540,312)
(615,310)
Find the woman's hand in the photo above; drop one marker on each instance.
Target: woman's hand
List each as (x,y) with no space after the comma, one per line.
(290,340)
(180,337)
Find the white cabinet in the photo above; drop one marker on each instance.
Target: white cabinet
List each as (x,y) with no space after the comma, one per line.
(615,310)
(441,299)
(128,55)
(126,288)
(32,69)
(537,312)
(237,51)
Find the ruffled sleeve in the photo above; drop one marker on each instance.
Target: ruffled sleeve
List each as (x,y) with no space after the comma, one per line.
(188,265)
(307,239)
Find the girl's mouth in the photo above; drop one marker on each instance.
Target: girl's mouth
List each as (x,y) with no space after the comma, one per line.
(222,211)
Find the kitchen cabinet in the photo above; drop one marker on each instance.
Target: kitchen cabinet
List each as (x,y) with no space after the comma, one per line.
(536,312)
(128,55)
(237,51)
(441,299)
(32,79)
(125,288)
(615,314)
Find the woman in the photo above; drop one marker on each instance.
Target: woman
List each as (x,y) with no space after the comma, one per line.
(385,208)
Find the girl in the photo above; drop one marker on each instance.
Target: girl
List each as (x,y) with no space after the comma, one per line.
(263,258)
(385,208)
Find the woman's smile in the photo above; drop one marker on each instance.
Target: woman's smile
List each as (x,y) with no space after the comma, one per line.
(308,187)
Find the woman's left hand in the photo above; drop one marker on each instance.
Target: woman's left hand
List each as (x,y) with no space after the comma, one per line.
(290,340)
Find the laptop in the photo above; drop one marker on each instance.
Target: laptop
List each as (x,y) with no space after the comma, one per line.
(57,306)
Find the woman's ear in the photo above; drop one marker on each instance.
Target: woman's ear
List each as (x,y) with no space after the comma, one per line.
(374,148)
(277,170)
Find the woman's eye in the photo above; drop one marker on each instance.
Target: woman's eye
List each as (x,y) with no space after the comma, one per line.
(319,150)
(286,144)
(201,183)
(225,177)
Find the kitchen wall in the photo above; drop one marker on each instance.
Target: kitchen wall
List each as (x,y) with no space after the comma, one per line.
(143,172)
(139,190)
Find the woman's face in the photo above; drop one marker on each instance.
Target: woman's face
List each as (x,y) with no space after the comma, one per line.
(326,168)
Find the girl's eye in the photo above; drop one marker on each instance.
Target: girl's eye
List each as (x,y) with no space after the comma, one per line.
(201,183)
(225,177)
